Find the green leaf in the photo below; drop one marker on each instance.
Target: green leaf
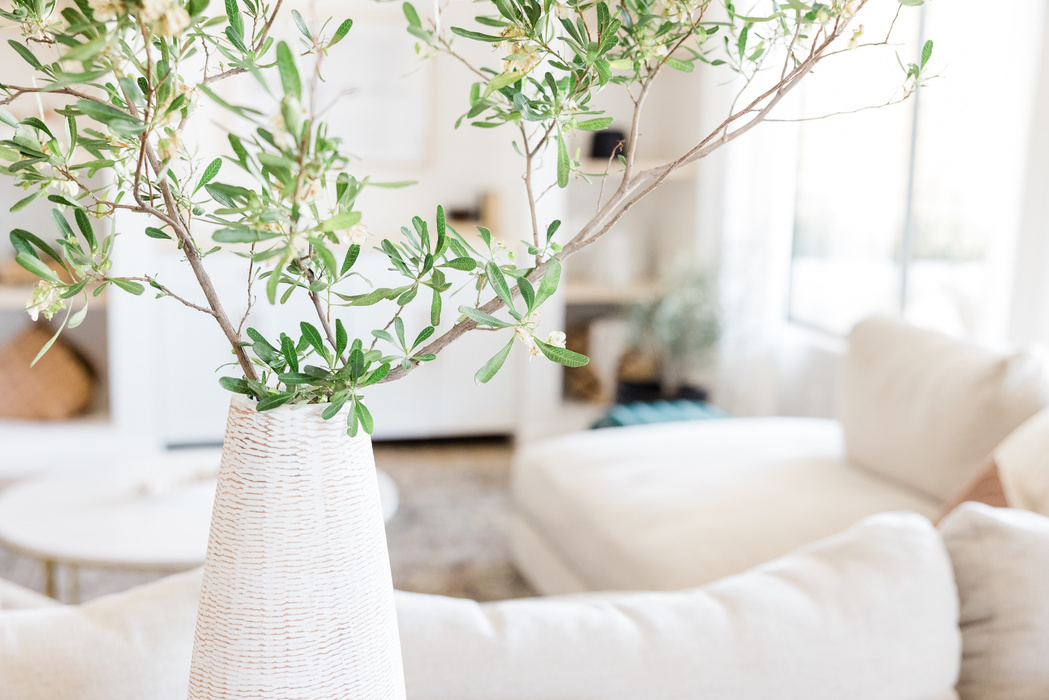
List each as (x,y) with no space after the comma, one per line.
(350,259)
(313,337)
(236,22)
(127,285)
(435,308)
(564,166)
(464,264)
(156,233)
(300,23)
(912,3)
(274,400)
(689,66)
(365,417)
(287,348)
(500,81)
(289,74)
(295,378)
(34,265)
(341,32)
(341,338)
(340,221)
(84,224)
(411,15)
(477,36)
(551,279)
(209,173)
(498,284)
(483,318)
(242,235)
(926,52)
(562,356)
(595,124)
(25,53)
(527,293)
(236,385)
(493,365)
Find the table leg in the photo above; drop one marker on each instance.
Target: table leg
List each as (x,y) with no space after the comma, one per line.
(74,584)
(50,585)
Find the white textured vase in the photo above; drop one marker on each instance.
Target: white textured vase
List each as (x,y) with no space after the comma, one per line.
(297,600)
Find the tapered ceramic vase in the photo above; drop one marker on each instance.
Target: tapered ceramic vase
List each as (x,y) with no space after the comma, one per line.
(297,600)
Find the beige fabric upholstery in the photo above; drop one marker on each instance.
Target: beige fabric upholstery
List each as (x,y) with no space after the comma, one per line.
(14,597)
(129,646)
(927,410)
(669,506)
(869,614)
(1001,564)
(1023,465)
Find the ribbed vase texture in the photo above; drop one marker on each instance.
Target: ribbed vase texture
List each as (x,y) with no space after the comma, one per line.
(297,600)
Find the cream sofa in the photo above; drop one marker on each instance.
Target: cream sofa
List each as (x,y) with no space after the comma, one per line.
(669,506)
(873,613)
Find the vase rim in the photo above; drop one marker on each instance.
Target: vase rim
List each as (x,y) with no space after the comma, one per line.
(245,401)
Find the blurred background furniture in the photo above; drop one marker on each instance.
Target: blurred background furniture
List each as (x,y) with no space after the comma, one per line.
(663,507)
(153,518)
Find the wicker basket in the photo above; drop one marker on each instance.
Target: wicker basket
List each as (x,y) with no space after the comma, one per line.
(58,387)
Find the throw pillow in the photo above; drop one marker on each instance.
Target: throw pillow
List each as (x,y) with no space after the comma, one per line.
(1023,460)
(1001,565)
(985,488)
(128,646)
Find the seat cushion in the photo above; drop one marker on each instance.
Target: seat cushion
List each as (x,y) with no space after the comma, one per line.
(927,410)
(664,507)
(870,614)
(1001,565)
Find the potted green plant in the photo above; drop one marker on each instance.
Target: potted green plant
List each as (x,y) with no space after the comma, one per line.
(297,600)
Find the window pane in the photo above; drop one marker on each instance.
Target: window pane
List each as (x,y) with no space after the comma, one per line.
(852,183)
(970,165)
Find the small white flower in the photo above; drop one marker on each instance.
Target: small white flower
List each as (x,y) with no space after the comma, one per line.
(280,133)
(854,41)
(173,22)
(659,51)
(167,148)
(557,339)
(311,190)
(44,300)
(560,9)
(357,234)
(69,188)
(152,10)
(105,10)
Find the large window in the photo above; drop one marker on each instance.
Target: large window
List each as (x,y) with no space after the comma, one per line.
(912,209)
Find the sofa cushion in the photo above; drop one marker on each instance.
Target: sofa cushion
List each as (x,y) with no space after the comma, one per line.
(1023,463)
(1001,565)
(127,646)
(14,597)
(869,614)
(669,506)
(927,410)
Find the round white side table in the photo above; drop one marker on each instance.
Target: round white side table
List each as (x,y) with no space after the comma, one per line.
(155,519)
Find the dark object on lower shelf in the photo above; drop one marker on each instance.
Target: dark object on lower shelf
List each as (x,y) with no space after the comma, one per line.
(658,412)
(648,392)
(607,142)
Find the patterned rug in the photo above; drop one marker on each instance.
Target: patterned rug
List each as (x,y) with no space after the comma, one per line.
(449,536)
